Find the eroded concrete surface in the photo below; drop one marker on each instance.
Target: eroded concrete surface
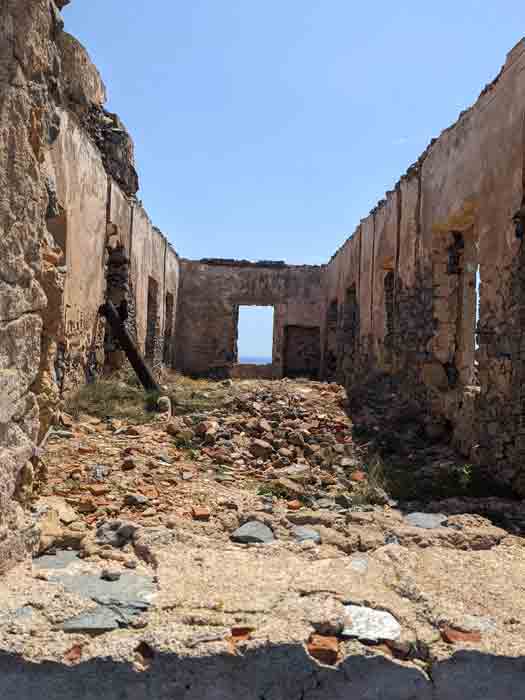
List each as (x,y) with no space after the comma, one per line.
(229,553)
(233,620)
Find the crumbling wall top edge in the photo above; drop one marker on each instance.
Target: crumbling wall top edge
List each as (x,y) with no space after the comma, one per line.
(230,262)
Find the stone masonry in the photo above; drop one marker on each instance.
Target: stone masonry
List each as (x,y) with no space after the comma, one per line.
(426,296)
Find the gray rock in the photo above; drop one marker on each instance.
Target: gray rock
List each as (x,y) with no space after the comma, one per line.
(428,521)
(253,532)
(99,472)
(370,625)
(302,534)
(391,539)
(117,533)
(135,500)
(108,575)
(127,530)
(130,587)
(96,621)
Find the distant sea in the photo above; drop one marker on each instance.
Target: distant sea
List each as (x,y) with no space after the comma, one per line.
(250,360)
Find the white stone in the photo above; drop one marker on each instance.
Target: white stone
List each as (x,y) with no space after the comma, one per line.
(371,625)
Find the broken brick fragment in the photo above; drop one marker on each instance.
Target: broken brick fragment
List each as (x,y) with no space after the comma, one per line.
(294,505)
(358,476)
(454,636)
(324,649)
(99,489)
(241,633)
(200,513)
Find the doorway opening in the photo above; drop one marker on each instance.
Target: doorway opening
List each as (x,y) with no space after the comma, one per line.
(302,351)
(465,252)
(152,321)
(255,335)
(348,335)
(168,328)
(330,347)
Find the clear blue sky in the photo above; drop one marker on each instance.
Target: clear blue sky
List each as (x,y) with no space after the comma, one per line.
(269,129)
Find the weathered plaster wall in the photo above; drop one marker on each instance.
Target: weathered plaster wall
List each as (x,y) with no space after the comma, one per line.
(81,183)
(209,297)
(152,257)
(59,209)
(415,260)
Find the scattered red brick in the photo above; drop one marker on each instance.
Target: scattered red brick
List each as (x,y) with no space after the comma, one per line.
(200,513)
(242,634)
(99,489)
(454,636)
(74,654)
(294,505)
(324,649)
(358,476)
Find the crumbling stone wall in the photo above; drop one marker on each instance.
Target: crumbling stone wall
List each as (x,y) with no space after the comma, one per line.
(68,182)
(112,248)
(396,305)
(29,83)
(414,262)
(210,294)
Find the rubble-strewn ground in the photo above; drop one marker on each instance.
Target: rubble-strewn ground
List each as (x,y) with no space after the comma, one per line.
(248,544)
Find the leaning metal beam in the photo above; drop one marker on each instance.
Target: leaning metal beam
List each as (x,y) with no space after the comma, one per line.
(136,360)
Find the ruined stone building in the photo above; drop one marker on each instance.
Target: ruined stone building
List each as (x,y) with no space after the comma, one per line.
(397,310)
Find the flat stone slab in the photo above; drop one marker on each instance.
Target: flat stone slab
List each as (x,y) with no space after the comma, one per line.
(129,588)
(370,625)
(95,621)
(304,534)
(61,560)
(427,521)
(253,532)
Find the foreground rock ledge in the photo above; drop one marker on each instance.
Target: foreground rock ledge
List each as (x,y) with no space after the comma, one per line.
(233,621)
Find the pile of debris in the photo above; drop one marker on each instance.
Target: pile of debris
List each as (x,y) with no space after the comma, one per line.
(253,525)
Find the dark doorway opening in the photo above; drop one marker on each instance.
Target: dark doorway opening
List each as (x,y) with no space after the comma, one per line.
(152,321)
(302,352)
(348,336)
(330,347)
(168,329)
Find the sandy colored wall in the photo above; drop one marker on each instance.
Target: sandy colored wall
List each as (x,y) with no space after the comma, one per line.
(210,294)
(151,257)
(82,191)
(453,211)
